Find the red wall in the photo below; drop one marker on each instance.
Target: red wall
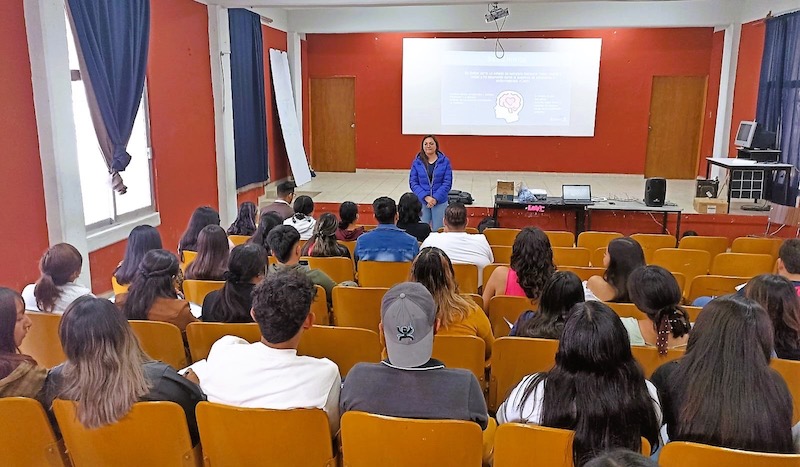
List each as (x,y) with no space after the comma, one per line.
(23,216)
(181,125)
(712,100)
(748,73)
(276,149)
(629,60)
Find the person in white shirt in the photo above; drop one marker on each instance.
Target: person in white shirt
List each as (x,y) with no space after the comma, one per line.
(461,247)
(269,374)
(595,388)
(302,220)
(55,289)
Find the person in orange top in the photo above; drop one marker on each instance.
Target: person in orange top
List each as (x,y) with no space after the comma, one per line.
(459,316)
(152,296)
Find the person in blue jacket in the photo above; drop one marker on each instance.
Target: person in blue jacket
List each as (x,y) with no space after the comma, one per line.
(431,179)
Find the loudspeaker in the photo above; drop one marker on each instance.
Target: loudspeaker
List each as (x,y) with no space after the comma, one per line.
(655,191)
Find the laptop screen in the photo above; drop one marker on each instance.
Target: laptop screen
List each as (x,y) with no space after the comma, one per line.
(576,192)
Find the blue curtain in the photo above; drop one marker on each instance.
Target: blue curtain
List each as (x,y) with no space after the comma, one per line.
(112,37)
(778,106)
(247,92)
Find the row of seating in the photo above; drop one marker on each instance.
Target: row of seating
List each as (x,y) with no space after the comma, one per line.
(301,437)
(512,357)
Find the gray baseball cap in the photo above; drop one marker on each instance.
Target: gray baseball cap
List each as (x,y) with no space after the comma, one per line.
(408,316)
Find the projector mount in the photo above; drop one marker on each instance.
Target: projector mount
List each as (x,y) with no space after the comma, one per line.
(495,13)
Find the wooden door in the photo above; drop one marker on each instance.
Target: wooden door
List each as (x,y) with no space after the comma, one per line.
(676,123)
(333,133)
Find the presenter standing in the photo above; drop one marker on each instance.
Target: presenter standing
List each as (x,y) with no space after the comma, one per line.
(431,179)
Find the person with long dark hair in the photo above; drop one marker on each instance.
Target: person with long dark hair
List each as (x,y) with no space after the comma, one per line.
(142,239)
(107,371)
(596,388)
(561,292)
(245,223)
(778,296)
(431,179)
(458,316)
(323,242)
(268,220)
(152,293)
(623,255)
(20,375)
(56,288)
(201,217)
(302,220)
(212,255)
(409,212)
(655,291)
(722,392)
(246,268)
(348,215)
(531,266)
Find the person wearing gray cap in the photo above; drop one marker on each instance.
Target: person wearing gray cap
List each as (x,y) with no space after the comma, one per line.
(409,383)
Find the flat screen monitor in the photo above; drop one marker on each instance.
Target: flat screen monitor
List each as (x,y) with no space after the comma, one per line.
(745,134)
(576,192)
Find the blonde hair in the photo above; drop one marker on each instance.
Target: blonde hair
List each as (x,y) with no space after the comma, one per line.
(433,269)
(104,370)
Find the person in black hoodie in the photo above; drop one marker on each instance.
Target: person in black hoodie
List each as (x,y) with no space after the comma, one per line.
(409,209)
(232,304)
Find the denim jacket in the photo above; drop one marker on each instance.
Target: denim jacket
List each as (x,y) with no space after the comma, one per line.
(386,243)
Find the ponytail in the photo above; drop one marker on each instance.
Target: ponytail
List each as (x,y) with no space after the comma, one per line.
(58,265)
(233,301)
(672,320)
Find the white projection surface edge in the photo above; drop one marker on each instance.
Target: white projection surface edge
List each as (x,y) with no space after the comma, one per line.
(279,64)
(538,87)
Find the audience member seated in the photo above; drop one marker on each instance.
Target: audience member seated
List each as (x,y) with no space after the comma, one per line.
(386,242)
(323,243)
(623,255)
(778,296)
(269,374)
(212,255)
(232,303)
(152,293)
(20,375)
(107,371)
(245,223)
(410,383)
(284,241)
(595,388)
(142,239)
(458,316)
(409,210)
(531,266)
(268,220)
(655,291)
(56,288)
(723,392)
(201,217)
(789,261)
(621,458)
(348,215)
(302,220)
(460,246)
(560,293)
(283,204)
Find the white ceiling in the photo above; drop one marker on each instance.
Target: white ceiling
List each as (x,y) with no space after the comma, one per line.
(297,4)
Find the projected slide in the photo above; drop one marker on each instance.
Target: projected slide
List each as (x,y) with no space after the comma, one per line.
(543,87)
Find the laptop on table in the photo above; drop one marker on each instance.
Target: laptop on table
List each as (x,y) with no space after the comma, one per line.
(576,194)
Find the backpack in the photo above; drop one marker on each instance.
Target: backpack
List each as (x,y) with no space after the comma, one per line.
(487,223)
(458,196)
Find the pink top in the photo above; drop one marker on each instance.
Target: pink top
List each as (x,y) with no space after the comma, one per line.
(512,285)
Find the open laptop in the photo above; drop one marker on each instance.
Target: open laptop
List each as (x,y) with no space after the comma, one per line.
(576,194)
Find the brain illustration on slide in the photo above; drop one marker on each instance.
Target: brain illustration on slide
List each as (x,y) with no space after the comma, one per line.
(509,105)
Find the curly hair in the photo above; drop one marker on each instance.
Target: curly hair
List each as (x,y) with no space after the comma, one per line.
(532,260)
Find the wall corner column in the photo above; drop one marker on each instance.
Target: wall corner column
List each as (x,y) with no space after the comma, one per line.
(727,83)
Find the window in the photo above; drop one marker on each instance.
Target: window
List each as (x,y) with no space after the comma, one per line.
(102,206)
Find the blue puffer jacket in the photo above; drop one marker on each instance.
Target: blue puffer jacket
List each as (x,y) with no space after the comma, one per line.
(442,179)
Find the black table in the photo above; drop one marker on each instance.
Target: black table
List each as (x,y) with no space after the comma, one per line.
(555,203)
(732,163)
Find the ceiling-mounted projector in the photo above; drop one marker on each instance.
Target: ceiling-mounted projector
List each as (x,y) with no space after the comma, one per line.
(496,13)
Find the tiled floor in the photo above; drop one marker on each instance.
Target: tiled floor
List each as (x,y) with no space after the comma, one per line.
(365,185)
